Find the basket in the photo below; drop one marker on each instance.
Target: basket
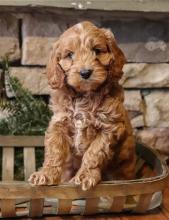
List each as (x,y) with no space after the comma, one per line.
(18,198)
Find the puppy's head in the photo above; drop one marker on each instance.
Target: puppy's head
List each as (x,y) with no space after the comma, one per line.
(85,57)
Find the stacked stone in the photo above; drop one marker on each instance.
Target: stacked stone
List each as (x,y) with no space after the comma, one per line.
(145,43)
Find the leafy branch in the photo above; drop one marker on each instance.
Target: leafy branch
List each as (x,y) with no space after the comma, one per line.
(27,115)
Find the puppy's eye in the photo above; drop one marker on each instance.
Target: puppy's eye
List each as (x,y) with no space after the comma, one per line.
(69,55)
(97,51)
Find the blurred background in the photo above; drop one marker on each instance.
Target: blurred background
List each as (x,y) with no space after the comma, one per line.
(27,32)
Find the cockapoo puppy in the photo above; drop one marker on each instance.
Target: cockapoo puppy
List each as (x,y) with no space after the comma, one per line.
(89,133)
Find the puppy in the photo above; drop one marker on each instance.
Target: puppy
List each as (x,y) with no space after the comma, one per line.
(89,132)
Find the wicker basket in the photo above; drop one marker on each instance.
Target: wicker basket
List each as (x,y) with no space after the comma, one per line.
(20,199)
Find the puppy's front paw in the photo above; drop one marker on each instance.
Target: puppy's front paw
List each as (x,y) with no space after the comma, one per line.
(42,178)
(87,178)
(38,178)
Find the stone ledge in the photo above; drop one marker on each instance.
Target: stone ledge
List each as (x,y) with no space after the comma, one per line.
(113,5)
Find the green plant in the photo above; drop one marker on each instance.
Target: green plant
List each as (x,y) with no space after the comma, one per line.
(27,115)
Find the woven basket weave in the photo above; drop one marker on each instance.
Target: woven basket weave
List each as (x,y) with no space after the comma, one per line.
(18,198)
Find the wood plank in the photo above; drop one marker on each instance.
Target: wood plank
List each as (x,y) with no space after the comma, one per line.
(64,206)
(143,203)
(68,191)
(157,214)
(118,204)
(113,5)
(29,161)
(21,141)
(8,164)
(36,207)
(8,208)
(91,206)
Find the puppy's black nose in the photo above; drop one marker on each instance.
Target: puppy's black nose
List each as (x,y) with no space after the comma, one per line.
(85,73)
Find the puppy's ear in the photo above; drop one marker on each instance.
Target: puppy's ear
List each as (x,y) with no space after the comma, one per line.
(55,73)
(117,63)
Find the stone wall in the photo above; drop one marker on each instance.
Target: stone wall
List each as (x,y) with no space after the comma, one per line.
(27,39)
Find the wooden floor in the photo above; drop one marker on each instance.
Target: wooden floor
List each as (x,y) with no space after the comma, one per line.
(158,214)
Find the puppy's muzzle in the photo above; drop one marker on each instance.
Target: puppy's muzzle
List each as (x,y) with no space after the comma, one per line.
(86,73)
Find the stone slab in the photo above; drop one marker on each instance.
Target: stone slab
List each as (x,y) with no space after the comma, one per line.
(9,37)
(36,50)
(133,100)
(143,75)
(141,40)
(134,105)
(34,79)
(39,33)
(157,109)
(157,138)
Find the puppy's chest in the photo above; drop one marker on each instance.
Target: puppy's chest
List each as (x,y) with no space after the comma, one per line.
(88,118)
(84,128)
(95,114)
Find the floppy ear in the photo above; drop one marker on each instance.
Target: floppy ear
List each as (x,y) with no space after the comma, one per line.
(55,73)
(119,60)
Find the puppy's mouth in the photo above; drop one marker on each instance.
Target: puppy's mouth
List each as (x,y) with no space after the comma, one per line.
(82,86)
(70,87)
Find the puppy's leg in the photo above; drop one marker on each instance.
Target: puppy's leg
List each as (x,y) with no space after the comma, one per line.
(126,160)
(57,142)
(68,171)
(93,161)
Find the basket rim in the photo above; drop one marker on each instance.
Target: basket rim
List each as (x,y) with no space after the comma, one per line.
(22,189)
(40,139)
(165,173)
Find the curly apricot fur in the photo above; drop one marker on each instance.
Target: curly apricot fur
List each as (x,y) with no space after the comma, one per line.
(89,131)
